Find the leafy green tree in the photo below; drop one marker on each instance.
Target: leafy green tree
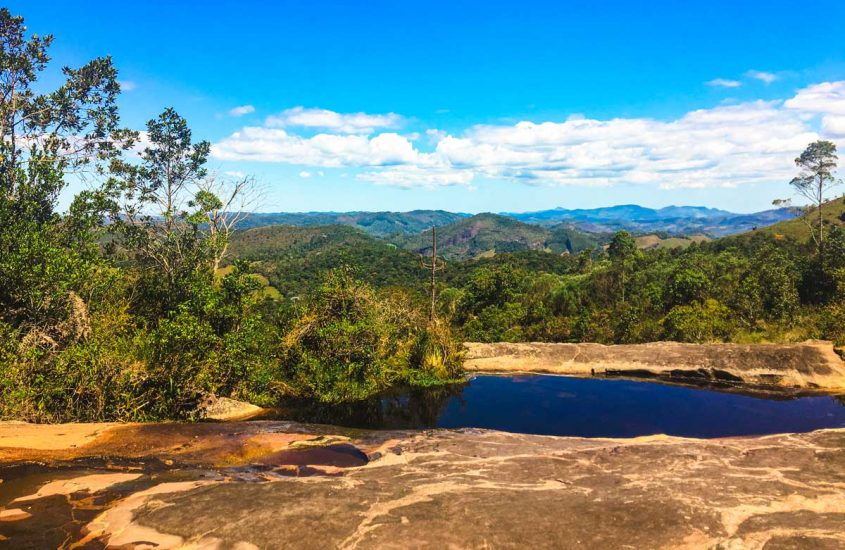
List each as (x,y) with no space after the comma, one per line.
(622,250)
(688,284)
(698,322)
(161,213)
(778,281)
(48,259)
(492,307)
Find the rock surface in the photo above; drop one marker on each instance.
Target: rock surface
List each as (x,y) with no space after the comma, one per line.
(226,409)
(812,365)
(278,485)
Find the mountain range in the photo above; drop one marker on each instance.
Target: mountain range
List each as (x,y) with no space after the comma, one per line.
(673,220)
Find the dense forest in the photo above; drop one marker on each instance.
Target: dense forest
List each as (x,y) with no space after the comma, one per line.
(155,288)
(771,284)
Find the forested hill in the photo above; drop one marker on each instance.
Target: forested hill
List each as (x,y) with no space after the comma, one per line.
(485,235)
(833,213)
(480,235)
(297,258)
(379,224)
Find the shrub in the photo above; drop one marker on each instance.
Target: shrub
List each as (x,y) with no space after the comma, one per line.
(348,343)
(698,322)
(436,355)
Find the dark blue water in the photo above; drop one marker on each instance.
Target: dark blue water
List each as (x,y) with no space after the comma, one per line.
(586,407)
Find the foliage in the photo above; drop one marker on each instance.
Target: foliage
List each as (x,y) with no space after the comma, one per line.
(698,322)
(122,307)
(46,256)
(349,342)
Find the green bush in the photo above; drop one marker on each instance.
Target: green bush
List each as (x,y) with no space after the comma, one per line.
(698,322)
(348,343)
(436,355)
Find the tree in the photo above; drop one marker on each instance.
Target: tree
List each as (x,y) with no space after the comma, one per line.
(817,163)
(621,250)
(175,219)
(436,264)
(46,257)
(688,284)
(162,235)
(223,204)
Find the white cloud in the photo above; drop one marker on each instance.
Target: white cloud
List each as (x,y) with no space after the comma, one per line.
(241,110)
(235,174)
(327,150)
(825,98)
(416,176)
(347,123)
(834,126)
(724,146)
(127,85)
(305,174)
(762,76)
(724,83)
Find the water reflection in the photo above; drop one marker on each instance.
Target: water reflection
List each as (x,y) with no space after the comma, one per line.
(585,407)
(415,408)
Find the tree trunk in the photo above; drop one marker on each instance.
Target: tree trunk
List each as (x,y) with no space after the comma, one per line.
(821,216)
(433,271)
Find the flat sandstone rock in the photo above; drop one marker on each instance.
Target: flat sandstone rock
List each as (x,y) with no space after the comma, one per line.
(812,365)
(478,489)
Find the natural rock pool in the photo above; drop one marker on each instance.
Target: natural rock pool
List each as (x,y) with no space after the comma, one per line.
(584,407)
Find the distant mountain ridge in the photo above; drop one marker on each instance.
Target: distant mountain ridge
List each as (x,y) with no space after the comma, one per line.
(628,212)
(673,220)
(378,224)
(676,220)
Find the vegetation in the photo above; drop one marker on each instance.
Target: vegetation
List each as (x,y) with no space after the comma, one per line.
(120,307)
(141,298)
(817,164)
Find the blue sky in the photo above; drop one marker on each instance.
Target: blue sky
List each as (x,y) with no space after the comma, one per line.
(479,106)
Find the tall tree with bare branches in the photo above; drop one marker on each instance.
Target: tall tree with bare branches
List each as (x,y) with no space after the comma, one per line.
(224,203)
(817,164)
(175,218)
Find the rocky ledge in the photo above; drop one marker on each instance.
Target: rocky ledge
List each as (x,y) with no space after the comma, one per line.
(278,485)
(808,366)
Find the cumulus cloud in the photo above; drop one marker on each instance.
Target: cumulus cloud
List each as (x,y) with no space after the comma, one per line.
(241,110)
(409,176)
(826,98)
(724,83)
(347,123)
(729,145)
(762,76)
(329,150)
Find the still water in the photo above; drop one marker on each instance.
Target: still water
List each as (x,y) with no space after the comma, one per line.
(585,407)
